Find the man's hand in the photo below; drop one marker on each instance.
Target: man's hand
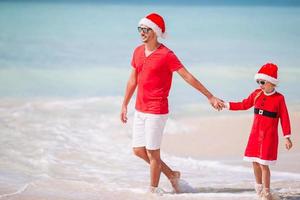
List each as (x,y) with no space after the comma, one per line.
(123,115)
(288,143)
(217,103)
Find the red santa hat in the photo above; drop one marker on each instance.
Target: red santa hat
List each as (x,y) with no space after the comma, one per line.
(268,72)
(156,23)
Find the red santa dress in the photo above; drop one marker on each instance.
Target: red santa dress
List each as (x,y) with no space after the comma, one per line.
(262,144)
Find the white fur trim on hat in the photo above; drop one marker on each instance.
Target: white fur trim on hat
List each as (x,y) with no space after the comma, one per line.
(267,78)
(153,26)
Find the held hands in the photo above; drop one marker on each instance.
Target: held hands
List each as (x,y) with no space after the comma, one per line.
(123,115)
(288,143)
(217,103)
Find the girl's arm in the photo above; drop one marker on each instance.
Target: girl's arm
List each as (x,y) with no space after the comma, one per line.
(284,119)
(285,124)
(245,104)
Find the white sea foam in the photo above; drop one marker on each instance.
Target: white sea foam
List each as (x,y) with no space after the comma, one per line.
(80,140)
(20,190)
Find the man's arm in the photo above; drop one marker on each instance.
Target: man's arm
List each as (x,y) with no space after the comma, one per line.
(130,88)
(190,79)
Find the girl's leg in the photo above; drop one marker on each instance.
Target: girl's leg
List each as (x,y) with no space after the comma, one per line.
(266,176)
(258,178)
(257,172)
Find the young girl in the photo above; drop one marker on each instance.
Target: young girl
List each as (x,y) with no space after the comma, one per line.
(269,107)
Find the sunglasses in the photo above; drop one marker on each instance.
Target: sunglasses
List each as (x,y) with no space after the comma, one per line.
(260,82)
(144,29)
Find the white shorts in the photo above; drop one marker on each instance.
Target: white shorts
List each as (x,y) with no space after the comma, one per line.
(148,130)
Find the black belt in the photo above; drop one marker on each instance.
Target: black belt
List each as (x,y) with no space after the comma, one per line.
(265,113)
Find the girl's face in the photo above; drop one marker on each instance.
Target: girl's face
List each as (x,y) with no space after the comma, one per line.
(265,86)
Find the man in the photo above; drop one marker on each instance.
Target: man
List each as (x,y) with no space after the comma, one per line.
(153,65)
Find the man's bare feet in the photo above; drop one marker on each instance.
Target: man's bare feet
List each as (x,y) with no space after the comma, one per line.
(156,190)
(175,181)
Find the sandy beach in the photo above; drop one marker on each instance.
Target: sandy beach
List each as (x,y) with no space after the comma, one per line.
(224,138)
(220,138)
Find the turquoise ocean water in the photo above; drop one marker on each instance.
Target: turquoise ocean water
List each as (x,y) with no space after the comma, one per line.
(63,70)
(84,49)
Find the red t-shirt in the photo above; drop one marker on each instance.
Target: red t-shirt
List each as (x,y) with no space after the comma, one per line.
(154,78)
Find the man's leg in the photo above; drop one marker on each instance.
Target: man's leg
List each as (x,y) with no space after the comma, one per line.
(155,166)
(173,176)
(142,153)
(148,130)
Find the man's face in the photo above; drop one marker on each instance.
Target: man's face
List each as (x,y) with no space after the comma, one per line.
(146,33)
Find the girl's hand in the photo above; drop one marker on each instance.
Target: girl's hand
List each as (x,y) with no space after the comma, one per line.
(288,143)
